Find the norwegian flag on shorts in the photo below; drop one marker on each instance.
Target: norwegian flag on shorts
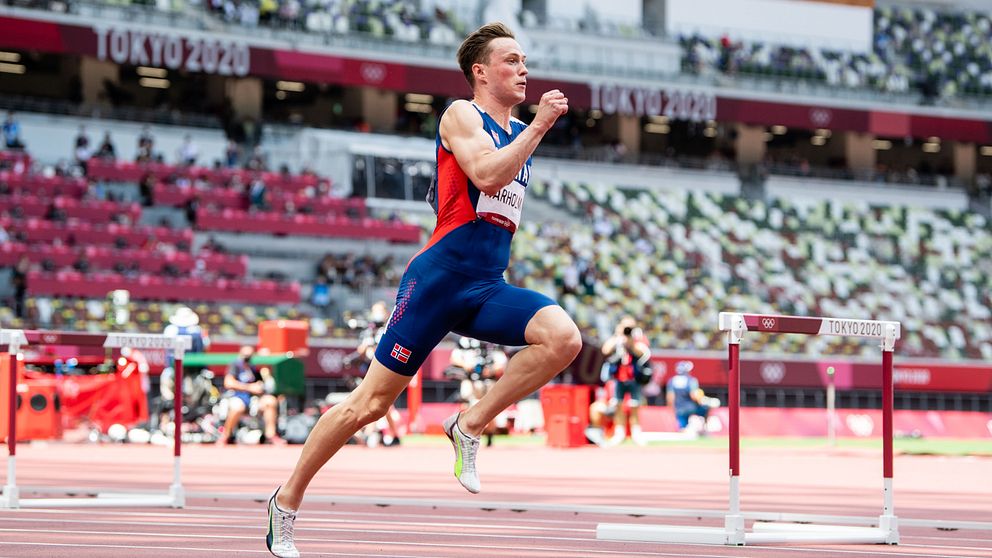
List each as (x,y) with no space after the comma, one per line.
(400,353)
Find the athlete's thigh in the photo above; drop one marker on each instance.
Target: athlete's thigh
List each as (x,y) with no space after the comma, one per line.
(428,305)
(503,316)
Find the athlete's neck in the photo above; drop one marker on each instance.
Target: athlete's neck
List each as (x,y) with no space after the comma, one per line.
(498,112)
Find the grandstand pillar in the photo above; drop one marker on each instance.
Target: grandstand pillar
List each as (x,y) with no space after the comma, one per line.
(860,154)
(750,144)
(377,107)
(245,97)
(624,129)
(93,73)
(653,16)
(965,161)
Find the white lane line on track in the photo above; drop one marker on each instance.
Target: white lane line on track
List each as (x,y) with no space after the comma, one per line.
(803,549)
(912,545)
(892,550)
(305,524)
(598,509)
(557,551)
(134,547)
(307,517)
(956,539)
(309,526)
(211,550)
(318,540)
(308,513)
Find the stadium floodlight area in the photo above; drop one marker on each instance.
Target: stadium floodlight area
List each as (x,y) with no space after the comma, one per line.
(733,532)
(12,340)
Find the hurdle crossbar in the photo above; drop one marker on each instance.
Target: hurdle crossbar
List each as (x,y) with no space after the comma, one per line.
(733,531)
(11,342)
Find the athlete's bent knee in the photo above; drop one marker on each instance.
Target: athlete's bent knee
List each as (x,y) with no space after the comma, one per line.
(567,342)
(347,413)
(375,409)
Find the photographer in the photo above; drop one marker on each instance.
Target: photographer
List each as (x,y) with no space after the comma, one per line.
(368,340)
(627,358)
(478,366)
(369,336)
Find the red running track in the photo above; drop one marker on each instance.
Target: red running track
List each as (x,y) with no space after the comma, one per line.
(403,502)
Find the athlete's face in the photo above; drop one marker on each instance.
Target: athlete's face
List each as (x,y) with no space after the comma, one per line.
(505,73)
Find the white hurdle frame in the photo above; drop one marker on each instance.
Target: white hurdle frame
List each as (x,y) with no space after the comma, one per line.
(11,341)
(733,532)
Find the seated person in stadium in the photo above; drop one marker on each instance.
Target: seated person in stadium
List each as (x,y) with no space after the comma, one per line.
(243,383)
(600,417)
(686,398)
(12,132)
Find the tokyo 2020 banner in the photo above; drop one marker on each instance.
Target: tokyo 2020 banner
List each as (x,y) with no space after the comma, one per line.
(241,56)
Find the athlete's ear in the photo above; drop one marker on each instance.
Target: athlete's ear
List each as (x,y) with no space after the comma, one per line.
(479,72)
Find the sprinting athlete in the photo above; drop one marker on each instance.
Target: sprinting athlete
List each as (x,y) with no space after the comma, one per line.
(456,282)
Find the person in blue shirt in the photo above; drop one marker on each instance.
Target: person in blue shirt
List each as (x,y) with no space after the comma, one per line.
(242,383)
(684,395)
(12,133)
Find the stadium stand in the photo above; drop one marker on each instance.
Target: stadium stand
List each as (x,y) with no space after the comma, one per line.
(706,271)
(240,237)
(940,54)
(675,258)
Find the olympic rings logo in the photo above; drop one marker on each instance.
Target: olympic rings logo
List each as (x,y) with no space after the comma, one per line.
(773,372)
(768,323)
(373,73)
(820,117)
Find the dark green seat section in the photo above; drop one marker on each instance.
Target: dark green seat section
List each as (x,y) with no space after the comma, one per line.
(287,371)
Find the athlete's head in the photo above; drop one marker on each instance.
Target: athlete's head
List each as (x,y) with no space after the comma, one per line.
(490,56)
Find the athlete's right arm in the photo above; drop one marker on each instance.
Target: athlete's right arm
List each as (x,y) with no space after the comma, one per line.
(489,168)
(232,383)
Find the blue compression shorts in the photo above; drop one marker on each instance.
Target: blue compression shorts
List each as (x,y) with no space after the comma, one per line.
(433,300)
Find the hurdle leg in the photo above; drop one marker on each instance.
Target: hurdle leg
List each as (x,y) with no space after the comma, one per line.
(177,494)
(10,497)
(887,521)
(734,521)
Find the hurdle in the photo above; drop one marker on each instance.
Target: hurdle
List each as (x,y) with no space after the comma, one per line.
(733,532)
(12,340)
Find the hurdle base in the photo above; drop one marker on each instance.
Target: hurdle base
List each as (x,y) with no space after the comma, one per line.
(733,534)
(10,498)
(764,532)
(665,533)
(177,496)
(103,500)
(889,524)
